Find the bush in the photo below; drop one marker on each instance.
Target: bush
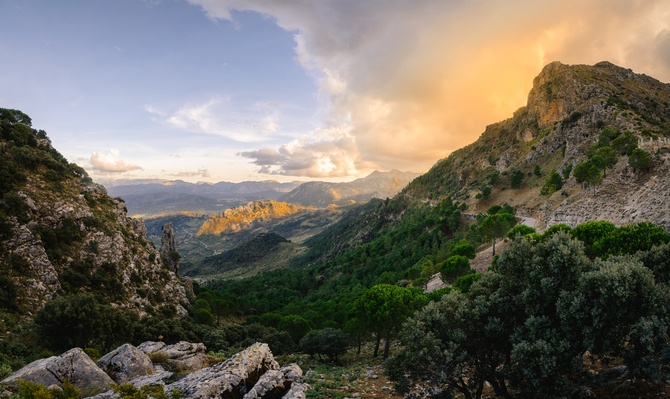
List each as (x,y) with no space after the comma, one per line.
(639,159)
(520,230)
(454,267)
(93,353)
(329,342)
(463,283)
(5,371)
(464,248)
(204,317)
(215,340)
(295,325)
(280,343)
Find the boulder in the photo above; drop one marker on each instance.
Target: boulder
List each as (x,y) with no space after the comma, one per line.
(188,355)
(275,383)
(157,378)
(126,363)
(74,366)
(297,391)
(232,378)
(151,346)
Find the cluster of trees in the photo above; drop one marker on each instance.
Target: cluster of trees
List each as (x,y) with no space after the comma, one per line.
(534,322)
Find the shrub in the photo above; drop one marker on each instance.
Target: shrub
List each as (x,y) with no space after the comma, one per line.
(215,340)
(639,159)
(330,342)
(295,325)
(520,230)
(5,371)
(93,353)
(464,248)
(463,283)
(204,317)
(454,267)
(158,357)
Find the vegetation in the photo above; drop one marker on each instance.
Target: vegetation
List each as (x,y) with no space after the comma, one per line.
(528,325)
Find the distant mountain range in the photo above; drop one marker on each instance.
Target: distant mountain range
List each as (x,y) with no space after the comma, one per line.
(149,197)
(376,185)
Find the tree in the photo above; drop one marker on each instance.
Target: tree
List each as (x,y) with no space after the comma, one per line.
(639,159)
(383,308)
(497,226)
(219,309)
(486,193)
(464,248)
(493,179)
(552,184)
(537,172)
(625,144)
(454,267)
(529,324)
(203,316)
(329,341)
(567,171)
(589,173)
(296,326)
(517,177)
(494,209)
(520,230)
(609,157)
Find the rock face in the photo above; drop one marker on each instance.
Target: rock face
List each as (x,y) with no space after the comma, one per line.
(126,363)
(74,366)
(275,383)
(168,247)
(188,355)
(232,378)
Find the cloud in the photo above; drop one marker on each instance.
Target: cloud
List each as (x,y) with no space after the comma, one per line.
(326,157)
(108,163)
(416,80)
(216,117)
(199,172)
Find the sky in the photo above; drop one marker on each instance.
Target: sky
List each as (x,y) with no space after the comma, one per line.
(235,90)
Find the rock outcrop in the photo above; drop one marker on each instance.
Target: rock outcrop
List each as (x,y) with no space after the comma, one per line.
(74,366)
(126,363)
(188,355)
(232,378)
(250,374)
(168,248)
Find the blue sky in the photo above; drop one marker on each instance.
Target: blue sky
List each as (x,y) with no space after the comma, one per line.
(211,90)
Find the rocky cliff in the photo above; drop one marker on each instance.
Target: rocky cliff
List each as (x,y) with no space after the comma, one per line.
(61,234)
(568,109)
(244,217)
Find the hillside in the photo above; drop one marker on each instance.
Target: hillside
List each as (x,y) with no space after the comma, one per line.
(375,185)
(298,228)
(573,114)
(61,234)
(568,109)
(264,252)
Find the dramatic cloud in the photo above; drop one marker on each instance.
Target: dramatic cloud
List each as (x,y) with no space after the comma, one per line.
(199,172)
(416,80)
(216,117)
(109,163)
(301,157)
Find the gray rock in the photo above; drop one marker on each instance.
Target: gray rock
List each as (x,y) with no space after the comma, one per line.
(151,346)
(169,245)
(297,391)
(275,383)
(126,363)
(386,389)
(74,366)
(231,378)
(150,380)
(185,354)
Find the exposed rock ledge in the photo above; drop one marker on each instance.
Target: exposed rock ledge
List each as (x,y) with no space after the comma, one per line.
(250,374)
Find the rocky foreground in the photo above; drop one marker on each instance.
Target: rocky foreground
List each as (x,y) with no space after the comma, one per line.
(250,374)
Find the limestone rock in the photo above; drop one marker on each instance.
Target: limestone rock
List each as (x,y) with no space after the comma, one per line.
(74,366)
(168,246)
(297,391)
(275,383)
(232,378)
(126,363)
(150,380)
(188,355)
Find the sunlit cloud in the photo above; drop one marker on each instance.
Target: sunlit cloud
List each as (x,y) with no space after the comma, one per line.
(418,80)
(102,162)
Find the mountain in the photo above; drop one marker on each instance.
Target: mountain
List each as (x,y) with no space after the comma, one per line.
(244,217)
(375,185)
(148,197)
(298,227)
(571,111)
(266,251)
(62,235)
